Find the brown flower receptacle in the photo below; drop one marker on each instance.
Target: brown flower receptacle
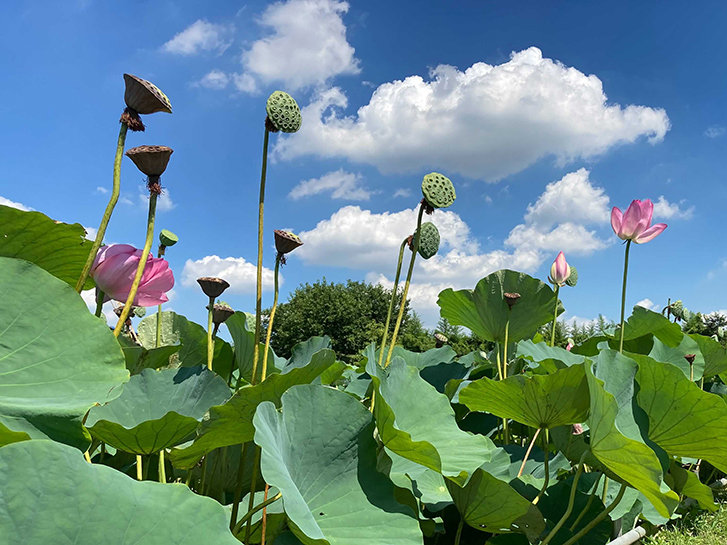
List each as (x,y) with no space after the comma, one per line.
(213,287)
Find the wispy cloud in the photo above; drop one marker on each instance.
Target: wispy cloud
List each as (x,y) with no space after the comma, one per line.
(200,36)
(715,131)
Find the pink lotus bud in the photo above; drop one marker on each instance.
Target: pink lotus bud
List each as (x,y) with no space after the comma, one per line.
(635,223)
(560,270)
(569,346)
(115,267)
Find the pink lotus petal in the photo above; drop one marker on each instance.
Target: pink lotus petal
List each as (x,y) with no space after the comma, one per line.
(560,270)
(630,221)
(651,233)
(646,211)
(616,219)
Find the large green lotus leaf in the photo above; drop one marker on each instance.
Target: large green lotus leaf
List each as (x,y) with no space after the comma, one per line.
(420,360)
(157,409)
(302,353)
(417,422)
(321,454)
(683,419)
(507,461)
(714,354)
(485,312)
(688,483)
(177,330)
(647,322)
(614,435)
(426,485)
(491,505)
(540,401)
(551,358)
(50,494)
(59,248)
(231,423)
(241,326)
(676,356)
(139,358)
(56,359)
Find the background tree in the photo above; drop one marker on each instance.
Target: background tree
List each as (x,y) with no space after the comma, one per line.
(352,314)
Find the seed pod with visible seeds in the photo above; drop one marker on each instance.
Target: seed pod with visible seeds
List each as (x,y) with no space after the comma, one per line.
(438,190)
(572,279)
(286,242)
(144,97)
(167,238)
(211,286)
(428,240)
(283,112)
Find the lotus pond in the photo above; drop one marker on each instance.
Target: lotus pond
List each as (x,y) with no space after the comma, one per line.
(165,433)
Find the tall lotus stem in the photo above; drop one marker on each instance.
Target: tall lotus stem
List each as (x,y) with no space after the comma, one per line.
(393,300)
(555,317)
(623,294)
(115,191)
(99,302)
(402,307)
(545,468)
(162,469)
(571,501)
(212,287)
(527,452)
(210,338)
(601,516)
(142,263)
(460,526)
(166,239)
(139,475)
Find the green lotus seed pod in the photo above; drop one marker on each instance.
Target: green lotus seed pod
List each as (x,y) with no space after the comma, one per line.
(572,280)
(283,112)
(438,190)
(677,309)
(167,238)
(428,240)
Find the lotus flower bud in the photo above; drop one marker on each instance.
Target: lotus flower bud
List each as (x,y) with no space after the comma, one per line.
(212,287)
(142,97)
(559,270)
(283,113)
(511,298)
(428,240)
(221,312)
(438,190)
(286,242)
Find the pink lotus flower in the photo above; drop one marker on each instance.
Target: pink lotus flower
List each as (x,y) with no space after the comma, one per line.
(114,269)
(635,223)
(560,270)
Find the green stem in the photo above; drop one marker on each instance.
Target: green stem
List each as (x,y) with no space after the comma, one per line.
(162,469)
(210,338)
(159,327)
(259,293)
(571,501)
(238,487)
(605,490)
(527,452)
(269,333)
(545,468)
(99,302)
(459,531)
(255,467)
(139,475)
(555,317)
(497,361)
(402,307)
(204,475)
(109,209)
(588,504)
(393,301)
(591,525)
(142,264)
(254,510)
(504,347)
(623,294)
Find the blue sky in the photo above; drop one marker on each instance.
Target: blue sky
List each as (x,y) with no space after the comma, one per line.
(544,115)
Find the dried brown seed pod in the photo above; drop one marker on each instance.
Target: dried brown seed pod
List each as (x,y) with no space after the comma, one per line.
(144,97)
(151,160)
(213,287)
(286,242)
(511,298)
(221,312)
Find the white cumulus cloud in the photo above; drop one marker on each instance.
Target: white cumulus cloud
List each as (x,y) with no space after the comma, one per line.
(340,184)
(663,209)
(241,274)
(13,204)
(214,79)
(485,122)
(200,36)
(306,46)
(647,303)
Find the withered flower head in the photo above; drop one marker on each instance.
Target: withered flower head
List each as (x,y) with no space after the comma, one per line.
(690,358)
(211,286)
(511,298)
(144,97)
(151,160)
(286,242)
(220,313)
